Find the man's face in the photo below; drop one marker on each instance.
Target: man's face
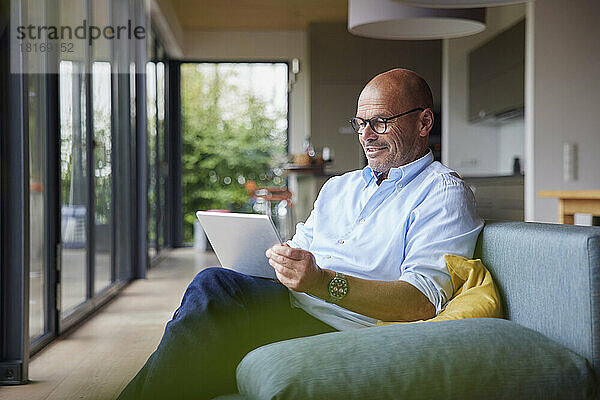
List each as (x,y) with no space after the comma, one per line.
(398,145)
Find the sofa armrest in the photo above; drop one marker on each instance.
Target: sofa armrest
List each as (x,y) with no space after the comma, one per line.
(462,359)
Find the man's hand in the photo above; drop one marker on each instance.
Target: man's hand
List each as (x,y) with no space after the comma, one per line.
(384,300)
(296,268)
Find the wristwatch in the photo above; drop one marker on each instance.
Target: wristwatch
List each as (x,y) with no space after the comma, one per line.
(338,287)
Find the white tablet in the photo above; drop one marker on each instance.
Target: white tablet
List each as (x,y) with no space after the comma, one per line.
(241,240)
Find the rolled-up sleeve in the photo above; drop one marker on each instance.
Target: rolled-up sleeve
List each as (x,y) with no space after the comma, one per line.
(445,222)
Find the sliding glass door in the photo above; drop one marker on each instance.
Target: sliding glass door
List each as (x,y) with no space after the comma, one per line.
(102,153)
(71,177)
(38,275)
(73,184)
(86,160)
(37,125)
(157,156)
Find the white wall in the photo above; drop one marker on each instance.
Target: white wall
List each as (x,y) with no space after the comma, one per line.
(564,98)
(511,144)
(261,46)
(471,149)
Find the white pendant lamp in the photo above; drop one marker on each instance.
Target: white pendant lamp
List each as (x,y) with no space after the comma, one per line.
(458,3)
(387,19)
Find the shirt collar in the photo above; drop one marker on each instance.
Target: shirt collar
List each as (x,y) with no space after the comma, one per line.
(404,173)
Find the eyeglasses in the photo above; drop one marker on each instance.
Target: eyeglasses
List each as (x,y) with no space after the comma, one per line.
(377,124)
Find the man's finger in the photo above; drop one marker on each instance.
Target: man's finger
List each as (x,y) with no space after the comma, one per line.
(285,281)
(296,254)
(283,260)
(280,249)
(282,269)
(289,252)
(277,249)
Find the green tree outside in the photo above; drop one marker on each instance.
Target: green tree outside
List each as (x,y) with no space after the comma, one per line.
(225,145)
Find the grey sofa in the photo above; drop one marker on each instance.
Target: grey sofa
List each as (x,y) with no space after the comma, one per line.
(547,348)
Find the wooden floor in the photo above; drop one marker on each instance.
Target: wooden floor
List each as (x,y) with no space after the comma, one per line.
(98,359)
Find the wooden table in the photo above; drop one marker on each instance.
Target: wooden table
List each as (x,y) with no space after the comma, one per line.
(574,201)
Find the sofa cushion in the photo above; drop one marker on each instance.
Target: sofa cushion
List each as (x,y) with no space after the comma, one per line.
(475,294)
(549,278)
(461,359)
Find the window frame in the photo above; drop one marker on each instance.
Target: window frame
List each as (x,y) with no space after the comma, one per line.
(14,271)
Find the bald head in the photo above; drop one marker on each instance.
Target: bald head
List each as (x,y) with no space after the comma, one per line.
(403,88)
(403,99)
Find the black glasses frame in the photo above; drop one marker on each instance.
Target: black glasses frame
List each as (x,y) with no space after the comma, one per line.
(358,126)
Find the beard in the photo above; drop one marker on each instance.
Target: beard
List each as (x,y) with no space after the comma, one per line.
(382,163)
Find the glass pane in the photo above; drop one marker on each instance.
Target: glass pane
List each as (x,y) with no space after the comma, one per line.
(152,158)
(132,98)
(101,101)
(73,177)
(73,161)
(37,147)
(162,161)
(37,159)
(103,174)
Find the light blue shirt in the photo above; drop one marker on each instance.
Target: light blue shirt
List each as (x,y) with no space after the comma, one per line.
(399,230)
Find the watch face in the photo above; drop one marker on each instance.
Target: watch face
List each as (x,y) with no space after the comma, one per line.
(338,287)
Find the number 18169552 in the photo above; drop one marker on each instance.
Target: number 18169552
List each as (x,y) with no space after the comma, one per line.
(44,47)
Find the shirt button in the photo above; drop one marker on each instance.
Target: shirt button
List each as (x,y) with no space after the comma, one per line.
(362,220)
(340,241)
(328,256)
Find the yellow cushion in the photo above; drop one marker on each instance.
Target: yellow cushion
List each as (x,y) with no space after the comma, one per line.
(475,295)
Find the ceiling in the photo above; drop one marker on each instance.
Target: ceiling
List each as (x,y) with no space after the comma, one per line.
(257,14)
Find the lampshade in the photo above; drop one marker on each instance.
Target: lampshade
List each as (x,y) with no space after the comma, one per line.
(387,19)
(458,3)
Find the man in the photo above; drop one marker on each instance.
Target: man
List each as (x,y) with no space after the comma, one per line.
(372,249)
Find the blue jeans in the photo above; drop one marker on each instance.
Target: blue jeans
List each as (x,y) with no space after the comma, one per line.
(223,316)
